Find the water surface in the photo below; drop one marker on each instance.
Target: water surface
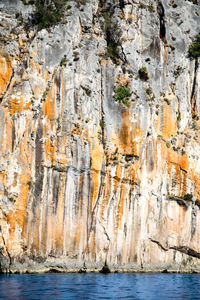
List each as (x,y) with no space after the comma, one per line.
(100,286)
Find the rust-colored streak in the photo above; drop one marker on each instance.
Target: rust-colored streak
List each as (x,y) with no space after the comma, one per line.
(106,195)
(96,152)
(35,233)
(118,176)
(76,238)
(18,104)
(169,122)
(22,200)
(49,108)
(50,151)
(5,72)
(59,215)
(125,136)
(121,207)
(94,188)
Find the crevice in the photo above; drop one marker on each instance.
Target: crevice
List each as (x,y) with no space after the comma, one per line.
(80,171)
(8,254)
(96,204)
(184,203)
(121,4)
(54,270)
(102,124)
(105,232)
(186,250)
(83,269)
(111,30)
(161,13)
(105,269)
(81,30)
(193,220)
(192,98)
(183,249)
(13,134)
(7,88)
(164,271)
(123,57)
(159,244)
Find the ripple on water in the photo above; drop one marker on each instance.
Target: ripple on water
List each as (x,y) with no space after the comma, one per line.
(100,286)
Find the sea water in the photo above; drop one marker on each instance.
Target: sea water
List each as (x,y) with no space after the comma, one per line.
(100,286)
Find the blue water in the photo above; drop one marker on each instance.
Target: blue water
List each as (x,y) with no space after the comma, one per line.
(100,286)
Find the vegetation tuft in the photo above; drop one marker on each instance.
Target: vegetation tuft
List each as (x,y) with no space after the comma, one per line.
(194,49)
(122,94)
(112,36)
(143,74)
(187,197)
(63,61)
(48,12)
(87,90)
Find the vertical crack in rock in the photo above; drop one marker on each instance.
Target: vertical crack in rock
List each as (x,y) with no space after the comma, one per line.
(8,86)
(1,258)
(193,98)
(8,254)
(183,249)
(102,124)
(39,169)
(88,207)
(96,206)
(57,80)
(105,232)
(193,219)
(123,56)
(13,133)
(56,179)
(112,33)
(121,4)
(105,268)
(161,13)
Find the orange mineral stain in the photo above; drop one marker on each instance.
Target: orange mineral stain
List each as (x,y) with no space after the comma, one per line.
(5,72)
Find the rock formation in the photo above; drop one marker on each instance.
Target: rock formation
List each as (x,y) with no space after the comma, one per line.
(100,137)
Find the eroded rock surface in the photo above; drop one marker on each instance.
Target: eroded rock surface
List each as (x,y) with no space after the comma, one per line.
(86,182)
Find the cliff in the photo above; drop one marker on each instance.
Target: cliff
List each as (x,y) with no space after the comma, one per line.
(100,137)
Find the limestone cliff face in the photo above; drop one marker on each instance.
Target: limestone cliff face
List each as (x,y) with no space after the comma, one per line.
(87,180)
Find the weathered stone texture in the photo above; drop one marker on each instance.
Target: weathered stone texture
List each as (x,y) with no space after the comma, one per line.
(85,180)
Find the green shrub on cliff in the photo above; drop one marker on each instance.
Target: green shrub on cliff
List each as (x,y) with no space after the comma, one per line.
(48,12)
(112,33)
(194,49)
(122,94)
